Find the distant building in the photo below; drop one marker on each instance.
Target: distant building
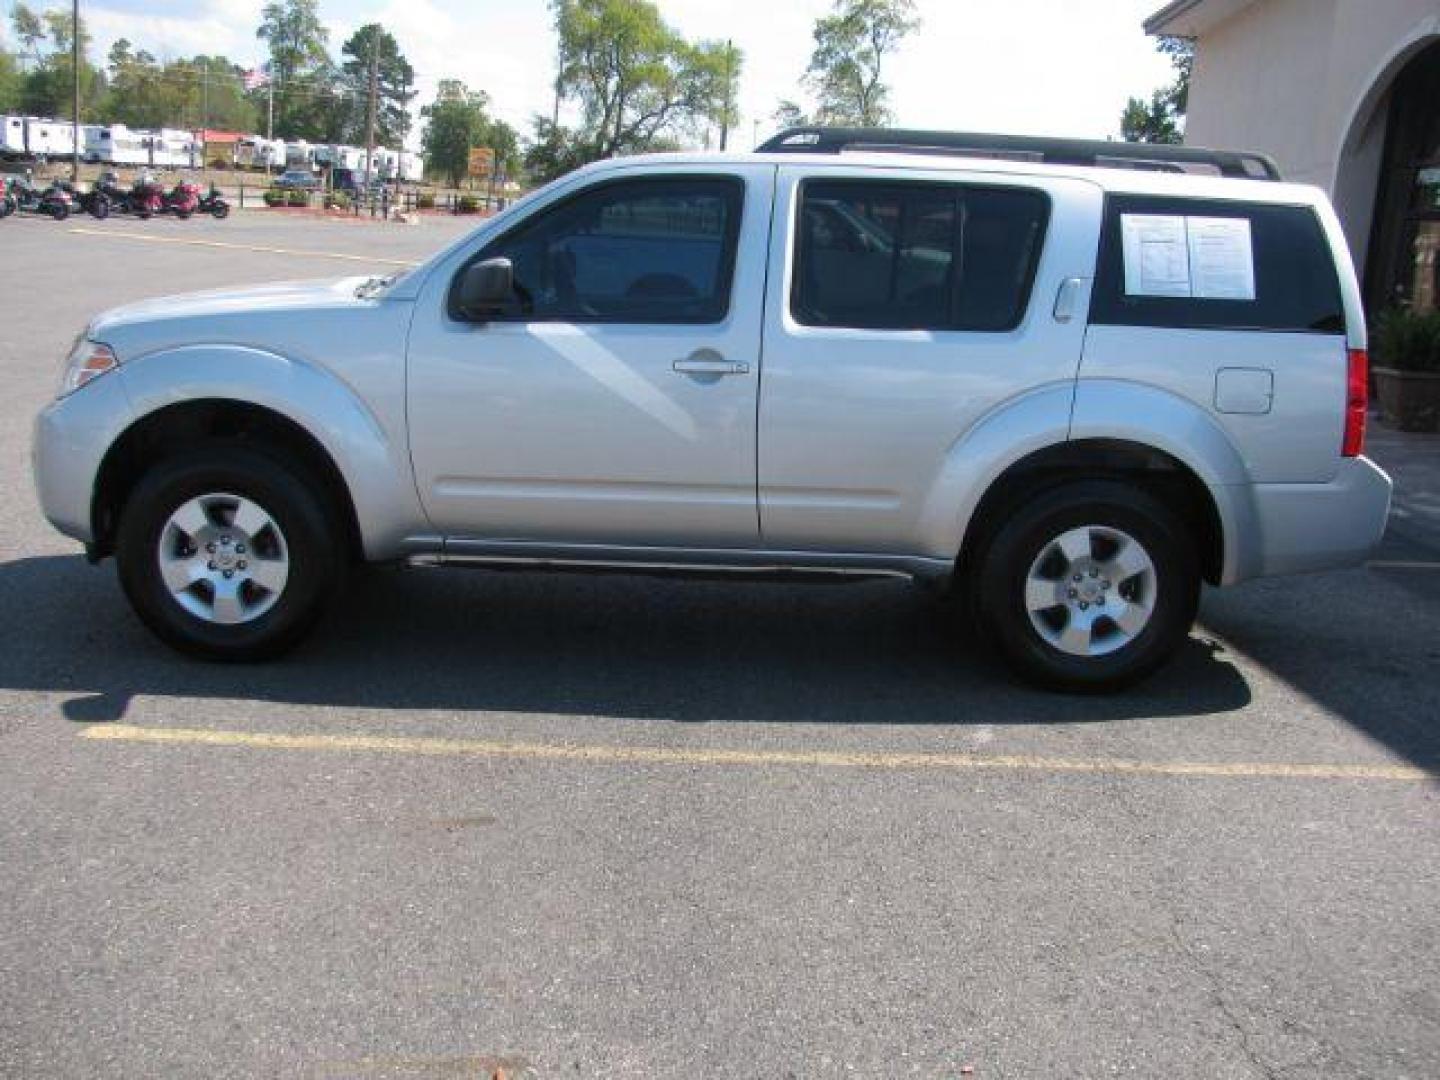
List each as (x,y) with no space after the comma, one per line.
(1344,94)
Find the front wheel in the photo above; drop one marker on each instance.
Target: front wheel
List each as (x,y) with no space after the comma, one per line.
(7,206)
(220,211)
(183,214)
(60,211)
(1090,586)
(100,208)
(227,554)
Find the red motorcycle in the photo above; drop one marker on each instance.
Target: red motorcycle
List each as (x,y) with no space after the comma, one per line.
(183,200)
(147,198)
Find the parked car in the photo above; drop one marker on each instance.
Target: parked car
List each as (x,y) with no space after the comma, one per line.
(298,179)
(1071,391)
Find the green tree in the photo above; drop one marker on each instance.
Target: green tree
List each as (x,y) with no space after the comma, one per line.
(205,91)
(299,66)
(12,82)
(29,29)
(1150,122)
(455,124)
(1161,119)
(637,81)
(847,67)
(552,151)
(789,115)
(48,89)
(395,86)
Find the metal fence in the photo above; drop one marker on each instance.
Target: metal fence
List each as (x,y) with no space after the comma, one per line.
(378,204)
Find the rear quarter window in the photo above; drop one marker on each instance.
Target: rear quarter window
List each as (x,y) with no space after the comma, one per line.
(1297,288)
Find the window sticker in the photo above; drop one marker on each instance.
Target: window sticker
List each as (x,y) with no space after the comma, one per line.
(1222,258)
(1157,262)
(1205,258)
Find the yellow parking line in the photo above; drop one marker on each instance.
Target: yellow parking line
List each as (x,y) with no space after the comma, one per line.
(147,237)
(663,755)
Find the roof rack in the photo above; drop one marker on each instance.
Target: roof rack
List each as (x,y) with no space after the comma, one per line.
(1238,164)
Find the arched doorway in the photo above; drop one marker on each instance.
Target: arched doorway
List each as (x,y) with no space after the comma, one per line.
(1405,231)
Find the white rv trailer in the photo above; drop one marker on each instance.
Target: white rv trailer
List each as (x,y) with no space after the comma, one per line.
(412,166)
(45,137)
(12,136)
(349,157)
(171,148)
(254,152)
(118,145)
(299,155)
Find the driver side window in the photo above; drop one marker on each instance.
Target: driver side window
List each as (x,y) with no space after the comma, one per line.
(633,251)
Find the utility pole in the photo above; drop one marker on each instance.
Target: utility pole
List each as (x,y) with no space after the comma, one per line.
(370,110)
(75,63)
(729,89)
(204,95)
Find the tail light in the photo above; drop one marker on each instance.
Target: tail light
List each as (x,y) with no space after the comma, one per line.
(1357,400)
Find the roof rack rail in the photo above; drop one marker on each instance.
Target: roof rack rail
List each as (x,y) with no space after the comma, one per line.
(1238,164)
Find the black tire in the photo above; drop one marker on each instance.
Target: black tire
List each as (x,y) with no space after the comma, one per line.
(315,549)
(7,207)
(100,208)
(60,211)
(183,215)
(143,213)
(220,211)
(1004,563)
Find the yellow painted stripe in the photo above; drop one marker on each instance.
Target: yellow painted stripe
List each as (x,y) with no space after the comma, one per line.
(151,239)
(664,755)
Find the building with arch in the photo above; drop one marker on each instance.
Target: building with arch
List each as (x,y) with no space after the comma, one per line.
(1344,94)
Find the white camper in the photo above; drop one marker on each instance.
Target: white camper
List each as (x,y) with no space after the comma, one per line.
(118,145)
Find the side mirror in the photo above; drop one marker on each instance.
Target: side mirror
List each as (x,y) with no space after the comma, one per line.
(486,289)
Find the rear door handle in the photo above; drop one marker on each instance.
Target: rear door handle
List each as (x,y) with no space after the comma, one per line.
(1067,299)
(710,366)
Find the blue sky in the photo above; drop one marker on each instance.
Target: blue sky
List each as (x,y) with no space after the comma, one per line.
(1062,67)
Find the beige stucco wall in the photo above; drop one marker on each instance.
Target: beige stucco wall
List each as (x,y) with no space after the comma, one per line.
(1305,81)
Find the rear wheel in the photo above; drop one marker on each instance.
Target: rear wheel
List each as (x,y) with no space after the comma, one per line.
(221,211)
(7,206)
(60,211)
(1091,586)
(100,207)
(226,553)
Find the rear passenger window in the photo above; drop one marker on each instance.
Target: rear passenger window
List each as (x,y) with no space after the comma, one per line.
(879,255)
(1295,285)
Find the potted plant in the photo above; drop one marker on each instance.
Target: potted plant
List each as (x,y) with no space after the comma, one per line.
(296,197)
(337,200)
(469,204)
(425,201)
(274,197)
(1407,368)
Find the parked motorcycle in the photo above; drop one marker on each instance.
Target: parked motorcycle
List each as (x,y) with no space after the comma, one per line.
(8,202)
(92,201)
(147,198)
(53,201)
(214,204)
(183,200)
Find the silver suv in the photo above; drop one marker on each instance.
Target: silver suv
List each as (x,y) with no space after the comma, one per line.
(1072,380)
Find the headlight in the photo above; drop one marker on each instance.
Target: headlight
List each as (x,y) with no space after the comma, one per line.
(88,360)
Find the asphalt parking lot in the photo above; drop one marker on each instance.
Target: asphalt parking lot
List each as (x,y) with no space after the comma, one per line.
(555,825)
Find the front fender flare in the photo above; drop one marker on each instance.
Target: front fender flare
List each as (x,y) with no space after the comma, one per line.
(373,462)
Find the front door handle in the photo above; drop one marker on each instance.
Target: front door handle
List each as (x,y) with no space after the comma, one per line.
(709,365)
